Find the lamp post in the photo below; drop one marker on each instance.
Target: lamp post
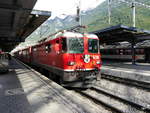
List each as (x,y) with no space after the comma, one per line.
(109,11)
(133,12)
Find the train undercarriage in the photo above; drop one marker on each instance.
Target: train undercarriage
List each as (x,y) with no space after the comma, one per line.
(76,79)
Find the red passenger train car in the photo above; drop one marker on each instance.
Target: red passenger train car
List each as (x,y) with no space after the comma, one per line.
(73,58)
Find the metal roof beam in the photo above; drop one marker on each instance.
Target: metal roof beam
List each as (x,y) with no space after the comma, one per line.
(40,12)
(10,8)
(10,39)
(17,8)
(121,33)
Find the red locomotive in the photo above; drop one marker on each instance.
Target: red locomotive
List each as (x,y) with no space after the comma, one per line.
(73,58)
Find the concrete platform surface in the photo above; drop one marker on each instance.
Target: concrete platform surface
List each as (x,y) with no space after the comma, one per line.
(24,90)
(140,71)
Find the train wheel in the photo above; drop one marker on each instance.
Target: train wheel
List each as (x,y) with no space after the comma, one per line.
(50,75)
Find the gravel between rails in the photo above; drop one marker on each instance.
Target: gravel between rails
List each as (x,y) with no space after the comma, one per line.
(126,90)
(89,101)
(121,106)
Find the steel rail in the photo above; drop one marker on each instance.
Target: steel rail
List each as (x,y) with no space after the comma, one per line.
(128,81)
(98,101)
(135,102)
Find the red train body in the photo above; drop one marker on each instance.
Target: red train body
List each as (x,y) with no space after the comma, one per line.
(71,57)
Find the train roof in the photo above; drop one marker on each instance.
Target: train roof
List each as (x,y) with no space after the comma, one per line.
(71,34)
(63,33)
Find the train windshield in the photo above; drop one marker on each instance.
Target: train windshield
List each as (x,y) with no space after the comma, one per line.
(75,45)
(93,45)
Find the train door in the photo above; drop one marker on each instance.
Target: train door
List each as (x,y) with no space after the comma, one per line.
(57,53)
(48,53)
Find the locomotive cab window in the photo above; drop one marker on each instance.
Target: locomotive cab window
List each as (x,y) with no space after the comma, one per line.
(57,41)
(93,45)
(48,48)
(75,45)
(64,45)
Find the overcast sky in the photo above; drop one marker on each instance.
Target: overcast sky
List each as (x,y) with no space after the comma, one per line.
(67,7)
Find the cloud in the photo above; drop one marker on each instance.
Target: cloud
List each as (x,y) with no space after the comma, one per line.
(67,7)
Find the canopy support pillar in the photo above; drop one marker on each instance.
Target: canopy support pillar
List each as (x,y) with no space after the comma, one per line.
(133,51)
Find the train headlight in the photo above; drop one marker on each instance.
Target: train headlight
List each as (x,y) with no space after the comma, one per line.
(71,63)
(98,62)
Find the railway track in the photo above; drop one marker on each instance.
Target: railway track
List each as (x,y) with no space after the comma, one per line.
(136,83)
(114,101)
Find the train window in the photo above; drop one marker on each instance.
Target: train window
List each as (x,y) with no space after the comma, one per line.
(110,51)
(48,48)
(93,45)
(137,51)
(141,51)
(124,52)
(75,45)
(128,52)
(34,49)
(117,51)
(113,52)
(57,41)
(106,52)
(64,45)
(20,52)
(121,51)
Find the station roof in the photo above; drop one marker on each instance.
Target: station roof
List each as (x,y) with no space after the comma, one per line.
(18,20)
(120,33)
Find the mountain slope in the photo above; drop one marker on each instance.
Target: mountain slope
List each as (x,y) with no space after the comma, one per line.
(97,19)
(121,14)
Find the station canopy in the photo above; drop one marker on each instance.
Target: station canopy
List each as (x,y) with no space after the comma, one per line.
(18,20)
(121,33)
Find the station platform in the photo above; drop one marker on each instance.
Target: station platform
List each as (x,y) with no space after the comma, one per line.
(139,71)
(23,90)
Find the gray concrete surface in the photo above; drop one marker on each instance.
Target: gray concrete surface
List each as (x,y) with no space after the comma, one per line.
(140,71)
(24,90)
